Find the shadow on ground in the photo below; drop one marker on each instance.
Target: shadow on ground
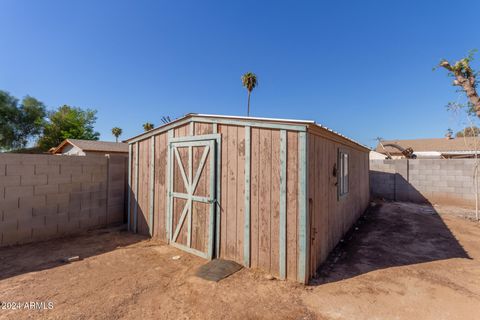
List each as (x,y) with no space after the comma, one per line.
(39,256)
(391,234)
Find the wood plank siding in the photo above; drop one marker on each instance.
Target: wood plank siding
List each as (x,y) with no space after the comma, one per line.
(333,216)
(263,219)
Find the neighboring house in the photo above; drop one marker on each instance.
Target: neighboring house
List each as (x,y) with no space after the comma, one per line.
(374,155)
(273,194)
(437,148)
(76,147)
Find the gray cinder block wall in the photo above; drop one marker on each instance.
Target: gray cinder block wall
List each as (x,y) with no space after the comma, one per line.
(46,196)
(442,181)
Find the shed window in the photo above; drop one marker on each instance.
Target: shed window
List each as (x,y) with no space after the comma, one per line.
(342,173)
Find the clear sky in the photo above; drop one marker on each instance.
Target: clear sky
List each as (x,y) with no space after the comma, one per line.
(363,68)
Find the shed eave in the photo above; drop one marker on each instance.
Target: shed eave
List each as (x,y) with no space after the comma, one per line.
(296,125)
(253,118)
(278,123)
(157,130)
(339,136)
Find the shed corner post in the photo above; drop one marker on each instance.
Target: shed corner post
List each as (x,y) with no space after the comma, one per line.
(135,209)
(303,218)
(152,185)
(129,189)
(246,232)
(283,206)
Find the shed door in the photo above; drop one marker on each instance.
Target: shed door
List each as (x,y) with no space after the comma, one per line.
(192,196)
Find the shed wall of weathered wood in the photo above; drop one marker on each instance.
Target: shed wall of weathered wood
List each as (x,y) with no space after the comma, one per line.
(278,209)
(331,216)
(263,249)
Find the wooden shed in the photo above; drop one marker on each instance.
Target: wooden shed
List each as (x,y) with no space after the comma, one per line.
(272,194)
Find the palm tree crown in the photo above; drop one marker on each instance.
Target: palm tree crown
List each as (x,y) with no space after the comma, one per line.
(147,126)
(117,132)
(249,81)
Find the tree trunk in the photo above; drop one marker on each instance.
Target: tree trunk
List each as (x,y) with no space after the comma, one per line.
(473,97)
(467,84)
(116,139)
(248,110)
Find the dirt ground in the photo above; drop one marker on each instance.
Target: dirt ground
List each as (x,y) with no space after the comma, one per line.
(401,261)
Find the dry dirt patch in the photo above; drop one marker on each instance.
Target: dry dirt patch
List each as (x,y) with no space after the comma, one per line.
(403,262)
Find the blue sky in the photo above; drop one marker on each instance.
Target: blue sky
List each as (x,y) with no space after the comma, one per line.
(363,68)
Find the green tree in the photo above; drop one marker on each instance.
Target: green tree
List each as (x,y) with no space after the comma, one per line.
(473,131)
(19,123)
(68,123)
(8,115)
(249,81)
(147,126)
(117,132)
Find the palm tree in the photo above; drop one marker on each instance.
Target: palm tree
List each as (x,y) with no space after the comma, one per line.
(249,81)
(117,132)
(147,126)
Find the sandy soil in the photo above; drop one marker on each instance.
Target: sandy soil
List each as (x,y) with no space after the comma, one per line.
(401,261)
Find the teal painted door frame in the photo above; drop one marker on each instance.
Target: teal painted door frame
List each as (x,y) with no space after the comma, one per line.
(190,177)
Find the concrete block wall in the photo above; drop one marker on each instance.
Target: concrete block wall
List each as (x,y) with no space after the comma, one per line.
(442,181)
(382,176)
(46,196)
(117,186)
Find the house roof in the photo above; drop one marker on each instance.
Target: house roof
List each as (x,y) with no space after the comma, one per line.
(443,145)
(253,121)
(93,145)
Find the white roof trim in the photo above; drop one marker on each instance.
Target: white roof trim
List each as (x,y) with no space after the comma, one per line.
(251,118)
(287,121)
(343,136)
(460,152)
(428,153)
(278,120)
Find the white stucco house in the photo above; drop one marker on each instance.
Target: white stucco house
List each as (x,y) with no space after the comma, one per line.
(374,155)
